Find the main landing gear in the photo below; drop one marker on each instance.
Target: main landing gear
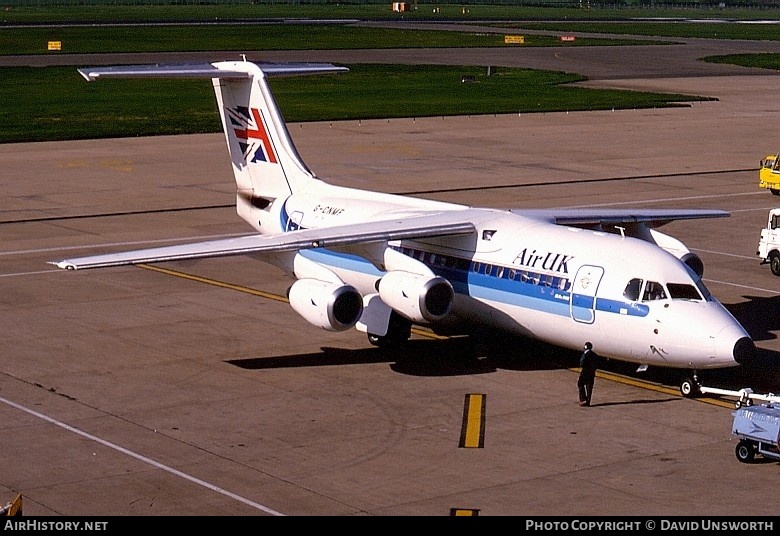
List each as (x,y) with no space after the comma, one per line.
(399,329)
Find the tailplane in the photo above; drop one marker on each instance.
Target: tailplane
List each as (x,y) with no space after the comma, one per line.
(266,164)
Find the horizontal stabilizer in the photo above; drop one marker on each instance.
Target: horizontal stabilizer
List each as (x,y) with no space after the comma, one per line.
(204,70)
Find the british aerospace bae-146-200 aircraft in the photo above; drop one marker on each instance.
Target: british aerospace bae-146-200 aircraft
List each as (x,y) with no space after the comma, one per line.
(382,263)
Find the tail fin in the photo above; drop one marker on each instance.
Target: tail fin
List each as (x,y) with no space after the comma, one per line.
(265,161)
(266,164)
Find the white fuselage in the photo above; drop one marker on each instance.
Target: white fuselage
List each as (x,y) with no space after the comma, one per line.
(563,285)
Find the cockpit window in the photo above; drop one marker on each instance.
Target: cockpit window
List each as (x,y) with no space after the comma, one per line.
(679,291)
(653,291)
(632,289)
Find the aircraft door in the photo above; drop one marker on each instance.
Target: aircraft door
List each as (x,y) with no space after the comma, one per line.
(582,301)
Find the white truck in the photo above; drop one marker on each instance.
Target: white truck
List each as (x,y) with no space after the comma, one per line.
(769,243)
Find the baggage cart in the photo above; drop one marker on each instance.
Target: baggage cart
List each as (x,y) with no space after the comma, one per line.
(758,429)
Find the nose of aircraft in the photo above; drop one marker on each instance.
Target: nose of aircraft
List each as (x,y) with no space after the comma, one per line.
(733,345)
(744,351)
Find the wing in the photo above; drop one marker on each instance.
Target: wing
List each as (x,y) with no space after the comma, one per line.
(592,218)
(423,226)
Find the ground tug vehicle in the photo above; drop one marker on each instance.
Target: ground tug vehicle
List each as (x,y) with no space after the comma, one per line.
(769,173)
(769,242)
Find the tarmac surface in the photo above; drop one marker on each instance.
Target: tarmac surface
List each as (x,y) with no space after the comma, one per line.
(194,389)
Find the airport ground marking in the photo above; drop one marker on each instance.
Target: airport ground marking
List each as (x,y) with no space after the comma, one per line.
(122,244)
(141,458)
(747,287)
(464,512)
(216,283)
(473,430)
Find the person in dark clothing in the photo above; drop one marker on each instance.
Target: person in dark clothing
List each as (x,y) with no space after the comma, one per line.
(588,366)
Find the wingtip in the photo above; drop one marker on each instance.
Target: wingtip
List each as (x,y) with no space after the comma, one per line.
(65,265)
(88,76)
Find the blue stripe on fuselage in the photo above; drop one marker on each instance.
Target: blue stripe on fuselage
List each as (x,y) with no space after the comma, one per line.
(342,261)
(526,294)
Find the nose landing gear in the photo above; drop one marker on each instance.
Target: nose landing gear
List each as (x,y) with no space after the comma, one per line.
(690,386)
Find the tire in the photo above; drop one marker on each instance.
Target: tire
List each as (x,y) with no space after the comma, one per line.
(774,262)
(383,341)
(745,451)
(689,388)
(774,191)
(399,330)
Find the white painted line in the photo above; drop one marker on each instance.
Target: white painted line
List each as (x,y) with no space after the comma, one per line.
(748,287)
(124,244)
(727,254)
(143,458)
(33,273)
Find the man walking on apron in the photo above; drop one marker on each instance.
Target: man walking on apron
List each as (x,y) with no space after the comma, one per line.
(588,366)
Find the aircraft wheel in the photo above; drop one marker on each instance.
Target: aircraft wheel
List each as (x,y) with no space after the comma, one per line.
(399,330)
(774,263)
(385,341)
(689,388)
(375,340)
(745,451)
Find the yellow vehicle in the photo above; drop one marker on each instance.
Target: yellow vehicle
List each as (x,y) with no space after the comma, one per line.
(769,174)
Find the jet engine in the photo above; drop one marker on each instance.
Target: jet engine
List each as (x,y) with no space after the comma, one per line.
(330,306)
(694,262)
(420,298)
(679,250)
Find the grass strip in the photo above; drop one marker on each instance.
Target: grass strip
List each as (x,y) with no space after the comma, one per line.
(55,103)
